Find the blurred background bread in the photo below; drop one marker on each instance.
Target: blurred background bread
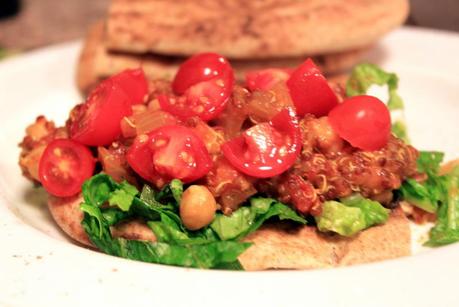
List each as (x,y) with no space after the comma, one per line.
(158,35)
(241,29)
(97,62)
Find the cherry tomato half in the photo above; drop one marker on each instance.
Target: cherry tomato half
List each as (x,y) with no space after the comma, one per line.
(204,84)
(364,121)
(310,91)
(64,166)
(267,149)
(133,83)
(169,152)
(265,79)
(97,121)
(200,68)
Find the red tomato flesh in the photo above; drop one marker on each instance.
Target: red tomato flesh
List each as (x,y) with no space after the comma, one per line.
(133,83)
(169,152)
(266,79)
(363,121)
(267,149)
(97,122)
(64,166)
(310,91)
(203,85)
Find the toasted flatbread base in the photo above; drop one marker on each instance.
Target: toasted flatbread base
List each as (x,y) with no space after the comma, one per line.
(250,29)
(279,246)
(305,248)
(97,63)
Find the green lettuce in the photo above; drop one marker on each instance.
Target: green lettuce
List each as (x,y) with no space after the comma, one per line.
(364,76)
(246,220)
(201,249)
(351,215)
(437,194)
(446,230)
(429,194)
(215,246)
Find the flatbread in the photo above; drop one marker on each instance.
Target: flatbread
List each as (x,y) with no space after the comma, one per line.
(97,63)
(306,248)
(240,29)
(276,246)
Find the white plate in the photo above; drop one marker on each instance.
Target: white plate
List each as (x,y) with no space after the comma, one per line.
(38,266)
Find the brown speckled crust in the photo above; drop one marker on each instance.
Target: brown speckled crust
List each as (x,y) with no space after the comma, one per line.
(304,248)
(250,29)
(67,214)
(97,63)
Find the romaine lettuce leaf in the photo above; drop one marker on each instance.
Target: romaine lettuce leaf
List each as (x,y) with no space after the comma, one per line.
(175,246)
(429,194)
(429,162)
(351,215)
(246,220)
(446,230)
(123,196)
(365,75)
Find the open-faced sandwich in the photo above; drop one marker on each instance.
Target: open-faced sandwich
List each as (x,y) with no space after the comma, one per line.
(284,171)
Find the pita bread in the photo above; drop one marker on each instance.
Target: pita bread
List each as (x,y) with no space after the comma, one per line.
(240,29)
(276,246)
(97,63)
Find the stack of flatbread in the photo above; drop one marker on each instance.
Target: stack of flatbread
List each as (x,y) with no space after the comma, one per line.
(159,34)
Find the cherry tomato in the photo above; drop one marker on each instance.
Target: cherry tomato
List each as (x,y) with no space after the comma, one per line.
(97,121)
(267,149)
(363,121)
(200,68)
(204,83)
(64,166)
(310,91)
(133,83)
(265,79)
(169,152)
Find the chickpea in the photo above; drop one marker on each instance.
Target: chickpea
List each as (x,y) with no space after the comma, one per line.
(197,207)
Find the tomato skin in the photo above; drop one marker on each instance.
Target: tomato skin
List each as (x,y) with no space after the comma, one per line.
(310,91)
(205,100)
(364,121)
(203,85)
(169,152)
(64,166)
(140,159)
(267,149)
(265,79)
(97,122)
(200,68)
(134,83)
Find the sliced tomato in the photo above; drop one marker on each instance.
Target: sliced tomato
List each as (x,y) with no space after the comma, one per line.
(97,121)
(265,79)
(169,152)
(310,91)
(64,166)
(364,121)
(267,149)
(203,86)
(140,158)
(205,100)
(200,68)
(134,84)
